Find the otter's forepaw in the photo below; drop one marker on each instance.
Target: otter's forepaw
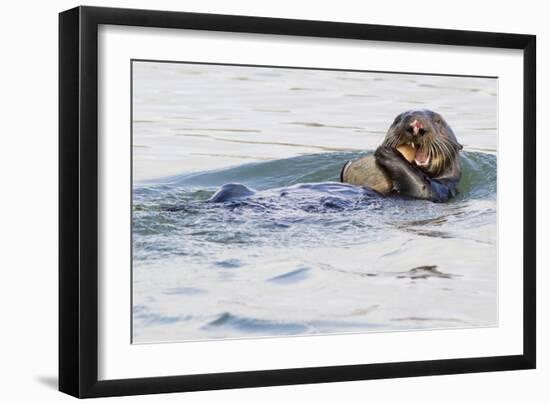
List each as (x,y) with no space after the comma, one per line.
(387,155)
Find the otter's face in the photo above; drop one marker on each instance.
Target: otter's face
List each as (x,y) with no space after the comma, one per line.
(427,132)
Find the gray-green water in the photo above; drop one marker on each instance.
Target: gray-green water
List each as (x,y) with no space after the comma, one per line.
(304,255)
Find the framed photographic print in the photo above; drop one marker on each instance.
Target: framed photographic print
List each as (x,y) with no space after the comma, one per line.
(250,201)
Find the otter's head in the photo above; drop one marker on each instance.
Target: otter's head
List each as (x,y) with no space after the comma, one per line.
(427,132)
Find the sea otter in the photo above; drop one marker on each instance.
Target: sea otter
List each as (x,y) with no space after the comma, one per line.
(419,158)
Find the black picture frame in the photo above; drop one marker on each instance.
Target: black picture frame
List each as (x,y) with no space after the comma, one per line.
(78,201)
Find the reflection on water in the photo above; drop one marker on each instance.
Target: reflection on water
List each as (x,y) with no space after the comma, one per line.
(304,254)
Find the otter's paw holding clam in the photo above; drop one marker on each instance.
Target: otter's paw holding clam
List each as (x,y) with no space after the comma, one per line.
(369,172)
(386,155)
(366,172)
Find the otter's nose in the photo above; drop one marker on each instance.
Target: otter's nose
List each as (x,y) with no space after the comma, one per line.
(416,128)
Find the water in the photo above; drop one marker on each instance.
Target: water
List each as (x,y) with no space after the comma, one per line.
(304,254)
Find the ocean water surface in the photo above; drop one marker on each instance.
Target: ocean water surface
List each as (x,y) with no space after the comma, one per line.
(304,255)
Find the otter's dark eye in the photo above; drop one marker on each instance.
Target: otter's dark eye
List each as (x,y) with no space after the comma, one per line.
(396,120)
(437,120)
